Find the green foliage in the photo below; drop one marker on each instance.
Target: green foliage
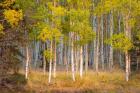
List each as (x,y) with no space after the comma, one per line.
(80,3)
(132,22)
(56,34)
(48,54)
(138,35)
(105,6)
(79,24)
(126,7)
(25,5)
(41,13)
(79,15)
(85,33)
(49,33)
(46,34)
(56,11)
(120,41)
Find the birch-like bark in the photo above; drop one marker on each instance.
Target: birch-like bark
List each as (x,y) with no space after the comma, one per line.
(72,58)
(36,53)
(44,61)
(94,29)
(97,46)
(86,58)
(76,60)
(81,61)
(102,43)
(54,67)
(27,62)
(50,64)
(111,48)
(119,31)
(65,57)
(127,29)
(127,65)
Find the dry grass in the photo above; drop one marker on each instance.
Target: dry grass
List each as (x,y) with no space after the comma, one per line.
(103,81)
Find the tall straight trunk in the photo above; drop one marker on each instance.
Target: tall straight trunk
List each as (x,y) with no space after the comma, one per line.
(97,58)
(111,48)
(108,36)
(69,51)
(36,53)
(54,67)
(95,42)
(97,46)
(94,53)
(127,29)
(50,63)
(137,63)
(72,57)
(81,61)
(61,51)
(76,60)
(65,57)
(94,24)
(44,61)
(105,45)
(77,57)
(86,58)
(137,59)
(27,62)
(102,43)
(127,65)
(119,31)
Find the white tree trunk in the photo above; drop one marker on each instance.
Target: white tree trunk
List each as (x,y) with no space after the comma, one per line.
(97,46)
(44,61)
(119,31)
(94,43)
(50,64)
(36,53)
(72,59)
(127,29)
(54,68)
(81,61)
(86,58)
(102,43)
(77,60)
(111,48)
(27,63)
(127,65)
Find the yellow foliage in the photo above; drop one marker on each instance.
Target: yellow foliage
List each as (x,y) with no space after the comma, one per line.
(1,29)
(57,11)
(48,54)
(45,34)
(60,11)
(13,16)
(7,3)
(48,33)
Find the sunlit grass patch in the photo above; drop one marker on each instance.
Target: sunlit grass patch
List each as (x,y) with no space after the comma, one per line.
(110,81)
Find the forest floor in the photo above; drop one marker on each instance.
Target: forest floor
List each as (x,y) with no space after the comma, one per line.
(103,82)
